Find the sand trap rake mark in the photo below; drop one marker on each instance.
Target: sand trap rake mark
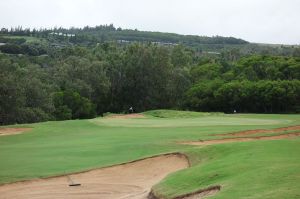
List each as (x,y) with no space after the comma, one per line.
(72,183)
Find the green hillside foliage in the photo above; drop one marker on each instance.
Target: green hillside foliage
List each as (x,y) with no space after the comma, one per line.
(48,76)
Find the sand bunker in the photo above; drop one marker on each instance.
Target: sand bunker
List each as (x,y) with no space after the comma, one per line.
(13,131)
(127,181)
(260,131)
(127,116)
(244,139)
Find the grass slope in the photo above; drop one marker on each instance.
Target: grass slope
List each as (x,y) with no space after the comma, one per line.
(260,169)
(252,170)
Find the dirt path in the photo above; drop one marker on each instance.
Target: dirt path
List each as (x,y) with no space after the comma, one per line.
(128,181)
(260,131)
(246,139)
(13,131)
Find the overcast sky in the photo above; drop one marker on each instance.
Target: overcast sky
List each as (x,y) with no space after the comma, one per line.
(263,21)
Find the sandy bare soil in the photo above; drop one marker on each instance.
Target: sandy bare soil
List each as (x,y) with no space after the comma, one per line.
(260,131)
(128,181)
(246,139)
(200,194)
(13,131)
(127,116)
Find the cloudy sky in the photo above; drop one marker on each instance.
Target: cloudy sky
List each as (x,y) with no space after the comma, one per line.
(263,21)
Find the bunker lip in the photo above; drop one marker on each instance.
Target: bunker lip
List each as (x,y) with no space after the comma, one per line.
(201,193)
(193,195)
(259,131)
(127,180)
(241,139)
(13,131)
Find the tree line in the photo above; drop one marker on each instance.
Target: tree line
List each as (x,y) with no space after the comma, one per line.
(110,33)
(85,81)
(89,36)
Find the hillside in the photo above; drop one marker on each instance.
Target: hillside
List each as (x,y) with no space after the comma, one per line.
(87,36)
(110,33)
(52,75)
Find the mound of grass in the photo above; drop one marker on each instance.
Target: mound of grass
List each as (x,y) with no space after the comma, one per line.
(162,113)
(252,170)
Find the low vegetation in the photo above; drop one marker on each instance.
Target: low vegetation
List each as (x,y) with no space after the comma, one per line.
(177,114)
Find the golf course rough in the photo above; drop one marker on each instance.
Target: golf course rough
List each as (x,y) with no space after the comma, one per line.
(256,169)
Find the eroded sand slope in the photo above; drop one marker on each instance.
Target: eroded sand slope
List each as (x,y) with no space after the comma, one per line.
(12,131)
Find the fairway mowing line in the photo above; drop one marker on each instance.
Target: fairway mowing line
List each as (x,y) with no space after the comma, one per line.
(126,116)
(241,139)
(128,180)
(258,131)
(13,131)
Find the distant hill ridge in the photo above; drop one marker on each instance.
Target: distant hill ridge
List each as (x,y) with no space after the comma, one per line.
(14,38)
(110,33)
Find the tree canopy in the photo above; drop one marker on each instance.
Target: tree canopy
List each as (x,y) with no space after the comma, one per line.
(44,80)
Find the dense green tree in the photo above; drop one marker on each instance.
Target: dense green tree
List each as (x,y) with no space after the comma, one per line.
(69,104)
(262,96)
(147,70)
(55,79)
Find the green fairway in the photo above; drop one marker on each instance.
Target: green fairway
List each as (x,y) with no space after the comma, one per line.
(189,122)
(257,169)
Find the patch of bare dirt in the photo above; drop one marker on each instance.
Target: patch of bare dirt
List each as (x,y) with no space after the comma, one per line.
(202,193)
(242,139)
(127,116)
(258,131)
(13,131)
(126,181)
